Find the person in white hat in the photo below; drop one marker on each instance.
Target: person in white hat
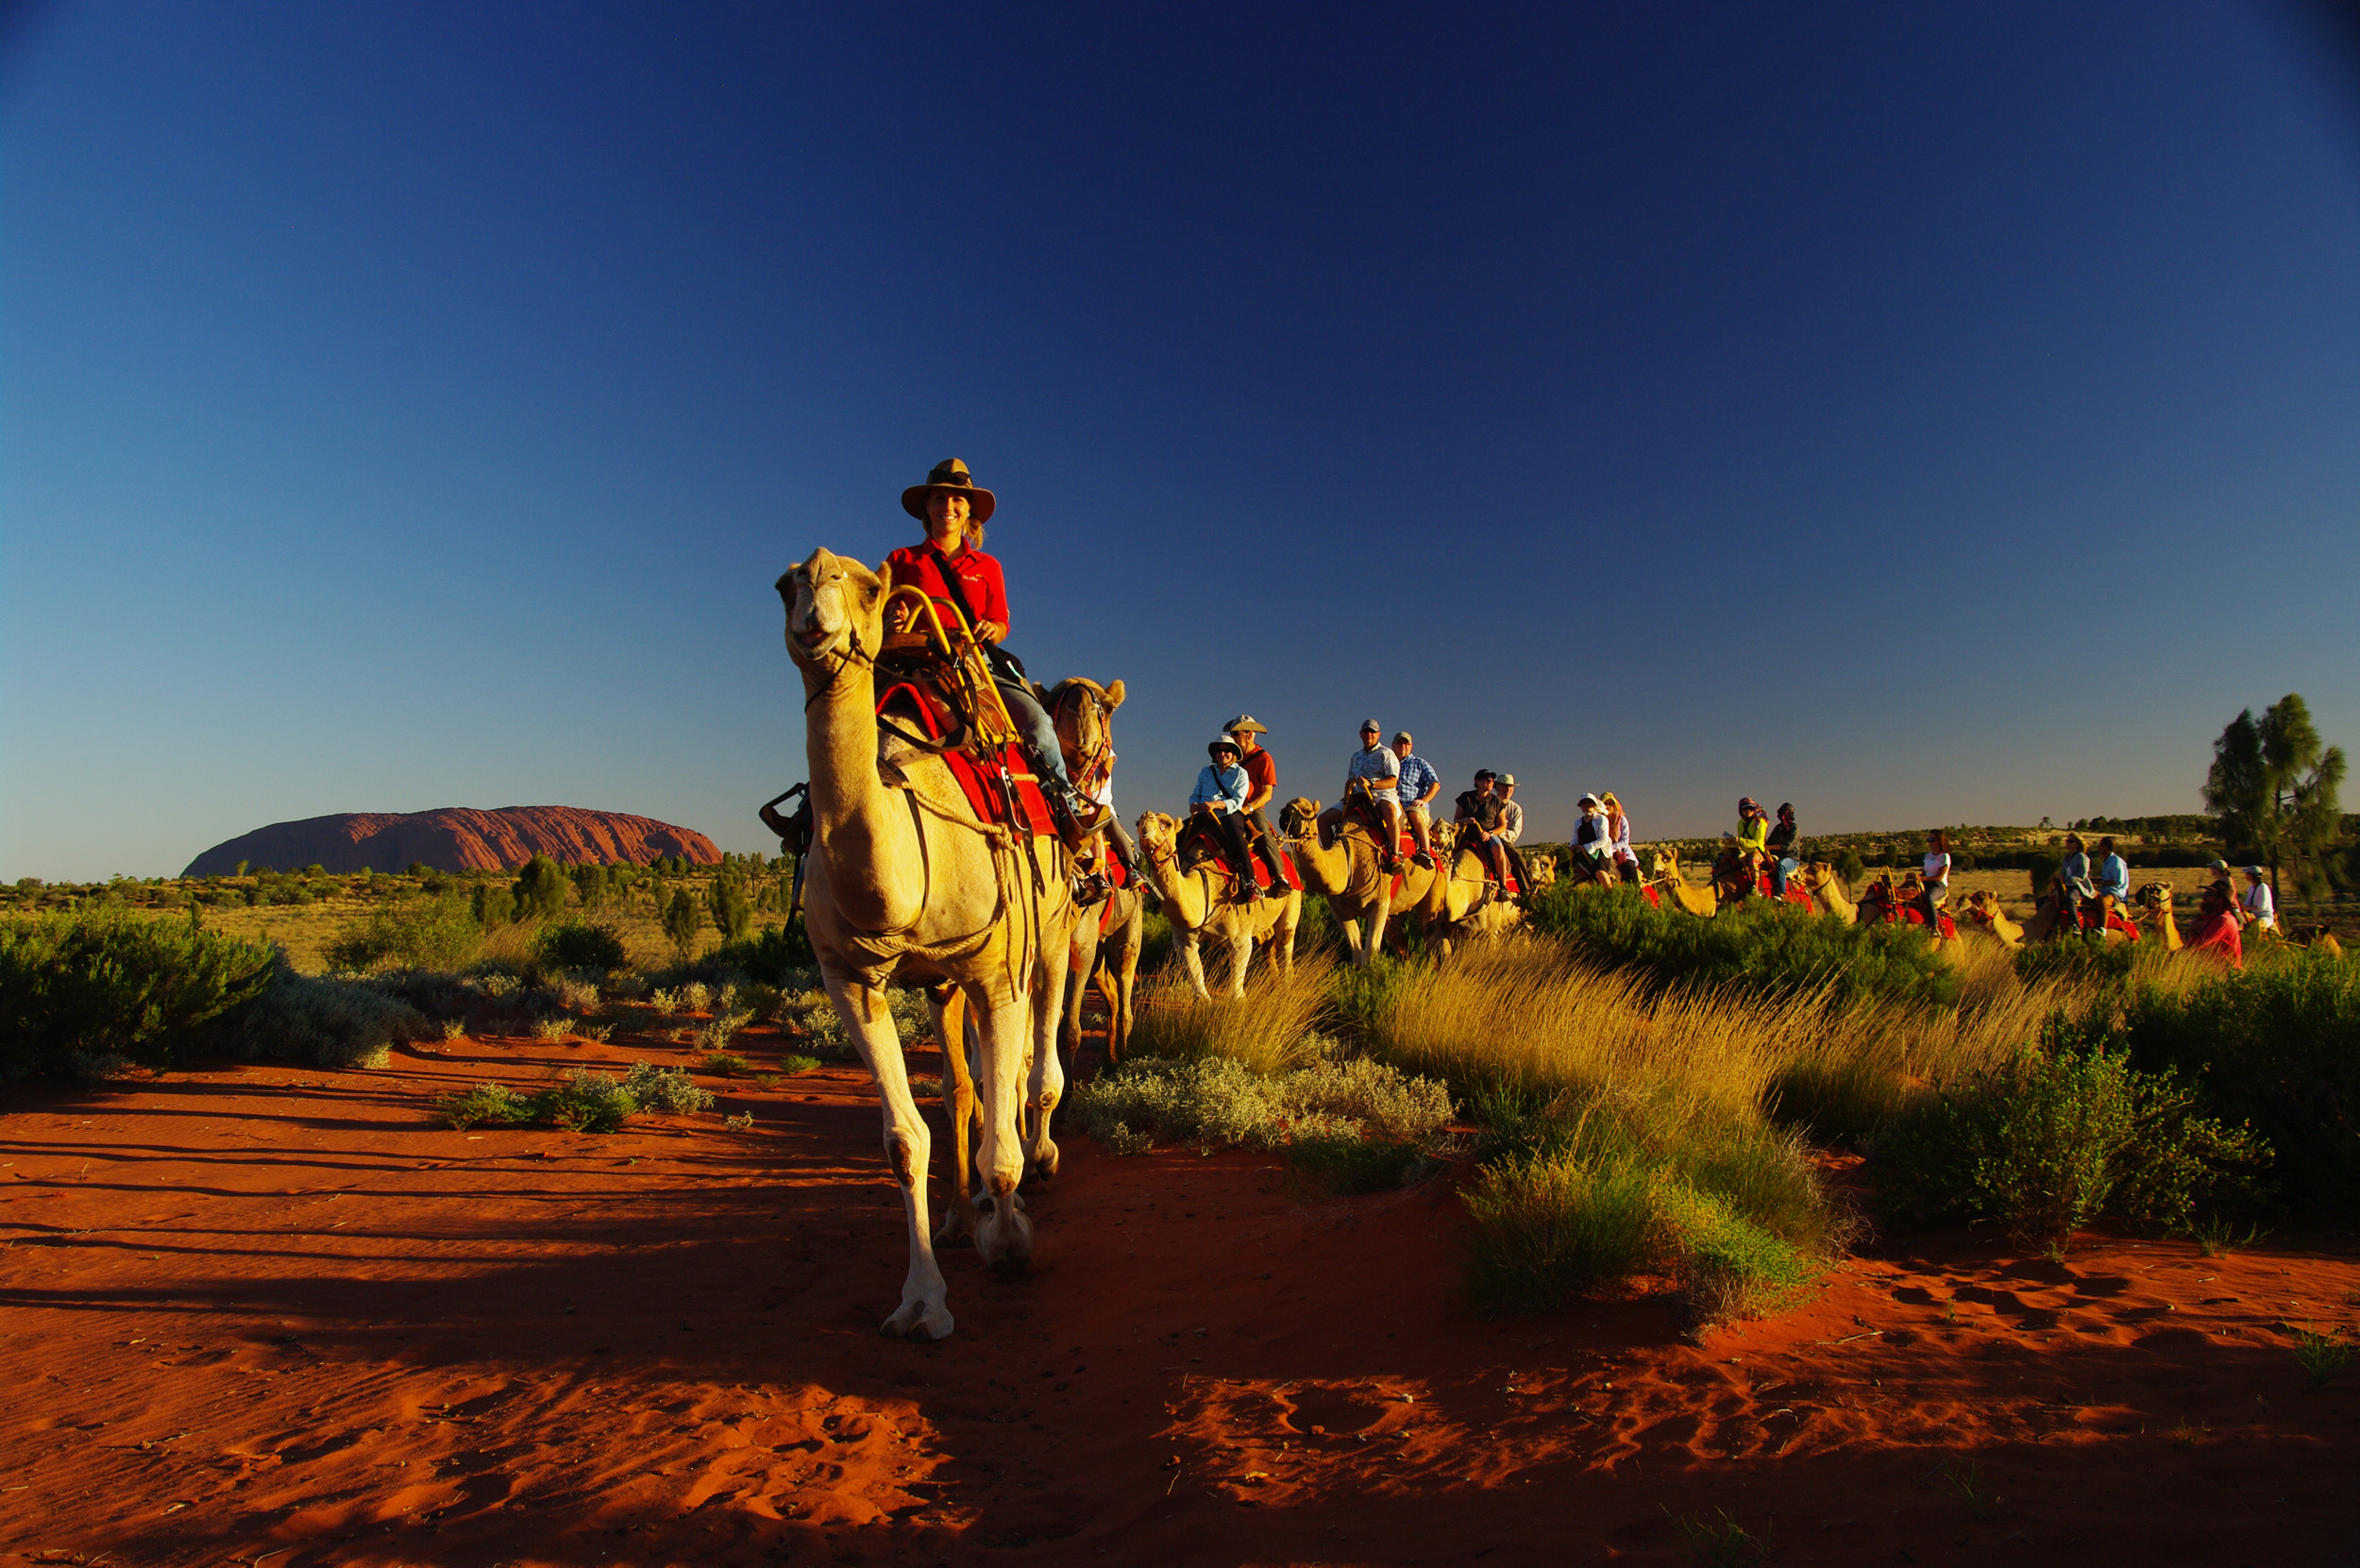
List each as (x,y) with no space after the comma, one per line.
(1220,796)
(1261,775)
(2261,909)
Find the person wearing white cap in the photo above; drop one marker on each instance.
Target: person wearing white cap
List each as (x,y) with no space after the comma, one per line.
(2261,909)
(1220,795)
(1378,770)
(1593,837)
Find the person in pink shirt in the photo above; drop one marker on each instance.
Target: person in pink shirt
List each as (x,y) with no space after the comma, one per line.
(2216,935)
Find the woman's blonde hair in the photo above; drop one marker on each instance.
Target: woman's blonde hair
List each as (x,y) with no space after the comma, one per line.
(1606,798)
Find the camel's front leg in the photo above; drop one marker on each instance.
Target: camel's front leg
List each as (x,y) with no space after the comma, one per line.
(1241,954)
(1004,1235)
(1351,942)
(1047,1085)
(950,1009)
(1193,962)
(924,1312)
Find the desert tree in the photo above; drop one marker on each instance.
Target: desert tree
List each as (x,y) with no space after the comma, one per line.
(682,922)
(540,888)
(733,916)
(2274,786)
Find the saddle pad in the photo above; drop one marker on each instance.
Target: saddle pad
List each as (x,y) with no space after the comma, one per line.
(2113,923)
(1655,896)
(930,715)
(1199,850)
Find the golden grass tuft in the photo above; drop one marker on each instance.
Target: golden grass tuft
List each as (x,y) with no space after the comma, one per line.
(1269,1029)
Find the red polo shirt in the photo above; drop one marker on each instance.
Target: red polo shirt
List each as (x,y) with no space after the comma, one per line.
(987,595)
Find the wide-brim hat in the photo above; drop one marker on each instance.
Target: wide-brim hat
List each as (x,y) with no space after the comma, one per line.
(949,475)
(1214,748)
(1505,780)
(1247,722)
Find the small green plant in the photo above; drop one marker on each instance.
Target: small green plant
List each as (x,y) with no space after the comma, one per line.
(585,947)
(723,1064)
(582,1100)
(793,1065)
(2215,1236)
(1346,1163)
(494,1102)
(742,1123)
(2185,1436)
(113,984)
(1719,1542)
(552,1029)
(454,1028)
(717,1032)
(2321,1356)
(682,922)
(665,1090)
(1964,1480)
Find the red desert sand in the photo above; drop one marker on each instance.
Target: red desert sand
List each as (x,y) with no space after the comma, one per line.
(282,1317)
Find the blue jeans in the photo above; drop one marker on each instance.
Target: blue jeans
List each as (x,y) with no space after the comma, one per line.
(1779,871)
(1033,720)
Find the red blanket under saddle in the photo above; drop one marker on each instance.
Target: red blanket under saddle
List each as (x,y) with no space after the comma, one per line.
(1204,850)
(1796,893)
(1910,916)
(2113,923)
(922,712)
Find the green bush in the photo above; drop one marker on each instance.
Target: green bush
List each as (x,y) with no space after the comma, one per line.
(116,985)
(682,923)
(2278,1045)
(2083,957)
(584,946)
(665,1090)
(582,1100)
(539,890)
(2068,1133)
(330,1023)
(1220,1101)
(410,933)
(776,956)
(485,1103)
(1759,946)
(733,913)
(492,904)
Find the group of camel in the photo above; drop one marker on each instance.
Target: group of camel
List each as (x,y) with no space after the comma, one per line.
(904,883)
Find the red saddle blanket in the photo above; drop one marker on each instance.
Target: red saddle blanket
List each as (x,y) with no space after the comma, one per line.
(1201,846)
(922,712)
(1796,893)
(2113,923)
(1910,915)
(1374,828)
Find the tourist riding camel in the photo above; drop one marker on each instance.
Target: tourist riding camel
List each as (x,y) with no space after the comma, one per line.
(966,586)
(1618,830)
(914,879)
(1419,784)
(2216,935)
(1781,846)
(1193,903)
(2260,909)
(1511,815)
(2113,879)
(1477,825)
(1753,840)
(1934,879)
(1593,840)
(1261,776)
(1372,779)
(1219,799)
(1341,860)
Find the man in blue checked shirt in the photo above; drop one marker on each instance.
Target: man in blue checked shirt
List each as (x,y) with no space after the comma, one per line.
(1419,784)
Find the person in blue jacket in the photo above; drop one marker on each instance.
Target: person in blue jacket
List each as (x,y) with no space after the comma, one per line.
(1220,795)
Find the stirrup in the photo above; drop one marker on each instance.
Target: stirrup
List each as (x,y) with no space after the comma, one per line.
(1093,888)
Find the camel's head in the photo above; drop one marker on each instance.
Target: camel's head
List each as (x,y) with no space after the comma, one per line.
(833,603)
(1296,816)
(2156,895)
(1157,831)
(1084,712)
(1445,836)
(1544,869)
(1662,863)
(1815,875)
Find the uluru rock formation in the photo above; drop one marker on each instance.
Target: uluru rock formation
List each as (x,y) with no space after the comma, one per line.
(456,838)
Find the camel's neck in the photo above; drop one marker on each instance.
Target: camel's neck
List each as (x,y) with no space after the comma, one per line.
(1330,871)
(862,830)
(1185,899)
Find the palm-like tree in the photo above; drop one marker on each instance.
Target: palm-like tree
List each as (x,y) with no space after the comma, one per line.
(2274,786)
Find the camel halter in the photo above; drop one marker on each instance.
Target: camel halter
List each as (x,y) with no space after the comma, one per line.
(1097,765)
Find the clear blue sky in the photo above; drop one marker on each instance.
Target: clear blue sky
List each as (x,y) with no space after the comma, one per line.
(1919,413)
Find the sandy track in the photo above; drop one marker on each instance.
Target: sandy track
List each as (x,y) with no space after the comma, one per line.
(261,1314)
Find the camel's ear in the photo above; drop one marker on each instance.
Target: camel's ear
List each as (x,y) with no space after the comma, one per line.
(1113,694)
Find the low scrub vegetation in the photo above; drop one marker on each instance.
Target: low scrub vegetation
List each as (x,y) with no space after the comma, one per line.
(1270,1030)
(579,1100)
(77,989)
(330,1021)
(2065,1133)
(1347,1118)
(423,933)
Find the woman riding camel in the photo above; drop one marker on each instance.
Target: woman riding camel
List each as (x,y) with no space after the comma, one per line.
(967,590)
(1618,827)
(1934,879)
(1220,792)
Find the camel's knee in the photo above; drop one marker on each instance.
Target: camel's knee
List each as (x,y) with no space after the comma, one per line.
(905,1157)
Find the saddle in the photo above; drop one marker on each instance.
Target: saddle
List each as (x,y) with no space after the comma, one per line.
(1359,808)
(996,777)
(1200,846)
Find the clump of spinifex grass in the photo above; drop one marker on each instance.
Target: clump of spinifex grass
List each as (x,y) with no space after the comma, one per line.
(1269,1029)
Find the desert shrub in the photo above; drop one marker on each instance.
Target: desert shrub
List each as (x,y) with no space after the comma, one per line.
(491,905)
(682,922)
(551,1030)
(582,1100)
(1269,1029)
(791,1064)
(1217,1100)
(115,984)
(665,1090)
(2084,957)
(584,946)
(2068,1132)
(716,1034)
(570,993)
(2278,1045)
(733,913)
(494,1102)
(1344,1163)
(539,890)
(776,956)
(1759,946)
(723,1064)
(330,1021)
(411,934)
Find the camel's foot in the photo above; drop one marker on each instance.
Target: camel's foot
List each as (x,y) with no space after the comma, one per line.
(1042,1163)
(956,1230)
(920,1321)
(1006,1245)
(982,1202)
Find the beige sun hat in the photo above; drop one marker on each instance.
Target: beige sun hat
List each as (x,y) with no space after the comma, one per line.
(949,475)
(1247,722)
